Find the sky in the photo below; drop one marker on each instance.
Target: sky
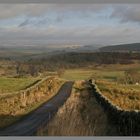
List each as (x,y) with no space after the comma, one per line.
(79,24)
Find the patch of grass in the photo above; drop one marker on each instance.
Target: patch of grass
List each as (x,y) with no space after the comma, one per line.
(125,96)
(80,74)
(77,74)
(15,84)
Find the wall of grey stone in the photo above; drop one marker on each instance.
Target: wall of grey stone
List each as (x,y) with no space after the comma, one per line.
(126,122)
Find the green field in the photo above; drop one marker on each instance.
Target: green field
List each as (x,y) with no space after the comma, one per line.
(111,72)
(81,74)
(15,84)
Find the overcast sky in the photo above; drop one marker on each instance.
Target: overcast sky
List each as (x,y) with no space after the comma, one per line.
(69,24)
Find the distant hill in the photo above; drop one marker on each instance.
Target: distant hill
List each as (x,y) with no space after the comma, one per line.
(121,48)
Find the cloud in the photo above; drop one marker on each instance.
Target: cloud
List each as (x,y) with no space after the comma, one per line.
(124,12)
(10,10)
(80,35)
(37,22)
(31,30)
(39,14)
(24,23)
(127,12)
(13,10)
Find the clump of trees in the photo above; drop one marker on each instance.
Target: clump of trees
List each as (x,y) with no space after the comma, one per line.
(24,69)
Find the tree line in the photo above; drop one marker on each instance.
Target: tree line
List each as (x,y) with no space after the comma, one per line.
(63,61)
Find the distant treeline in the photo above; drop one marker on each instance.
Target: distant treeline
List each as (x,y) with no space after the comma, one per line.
(67,60)
(59,61)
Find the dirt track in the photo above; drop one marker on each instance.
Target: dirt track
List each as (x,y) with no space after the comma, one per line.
(29,125)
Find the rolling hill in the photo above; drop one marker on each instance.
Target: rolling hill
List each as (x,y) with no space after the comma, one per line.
(135,47)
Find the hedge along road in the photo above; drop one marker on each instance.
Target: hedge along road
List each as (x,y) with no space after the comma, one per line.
(29,125)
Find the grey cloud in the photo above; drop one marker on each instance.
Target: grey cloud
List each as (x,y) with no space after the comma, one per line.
(35,21)
(10,10)
(24,23)
(13,10)
(124,12)
(127,12)
(81,35)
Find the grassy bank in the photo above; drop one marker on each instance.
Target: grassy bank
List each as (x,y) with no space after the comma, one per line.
(125,96)
(16,106)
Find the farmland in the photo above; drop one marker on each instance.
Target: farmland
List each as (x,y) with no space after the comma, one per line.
(118,82)
(69,70)
(110,79)
(15,84)
(80,74)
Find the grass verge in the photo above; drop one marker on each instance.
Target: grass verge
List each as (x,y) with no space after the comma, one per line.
(15,107)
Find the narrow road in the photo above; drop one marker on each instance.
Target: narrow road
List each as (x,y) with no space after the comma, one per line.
(29,125)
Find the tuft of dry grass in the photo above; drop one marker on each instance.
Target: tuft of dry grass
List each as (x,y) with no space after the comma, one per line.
(81,115)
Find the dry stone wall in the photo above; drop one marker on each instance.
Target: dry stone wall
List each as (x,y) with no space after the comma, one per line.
(24,101)
(126,122)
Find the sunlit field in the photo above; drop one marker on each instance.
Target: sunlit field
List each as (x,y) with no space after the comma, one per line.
(80,74)
(125,96)
(15,84)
